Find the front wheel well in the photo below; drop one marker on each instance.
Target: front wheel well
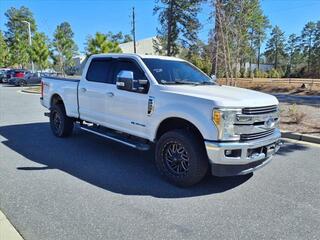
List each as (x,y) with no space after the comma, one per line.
(177,123)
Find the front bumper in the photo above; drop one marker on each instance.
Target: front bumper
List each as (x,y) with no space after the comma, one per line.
(252,155)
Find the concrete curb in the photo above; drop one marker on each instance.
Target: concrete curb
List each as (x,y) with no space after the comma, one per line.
(300,137)
(7,230)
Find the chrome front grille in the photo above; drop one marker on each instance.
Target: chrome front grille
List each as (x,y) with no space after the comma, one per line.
(253,136)
(259,110)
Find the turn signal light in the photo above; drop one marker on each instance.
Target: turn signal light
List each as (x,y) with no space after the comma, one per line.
(216,117)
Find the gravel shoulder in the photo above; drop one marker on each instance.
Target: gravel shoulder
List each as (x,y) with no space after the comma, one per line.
(309,123)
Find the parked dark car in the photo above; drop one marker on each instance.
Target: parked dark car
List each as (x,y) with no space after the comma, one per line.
(28,79)
(2,75)
(14,73)
(6,75)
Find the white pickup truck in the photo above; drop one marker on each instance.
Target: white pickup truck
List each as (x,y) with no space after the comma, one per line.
(194,124)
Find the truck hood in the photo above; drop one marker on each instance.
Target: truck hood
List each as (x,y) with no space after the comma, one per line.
(224,96)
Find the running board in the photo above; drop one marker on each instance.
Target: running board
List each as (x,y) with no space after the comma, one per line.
(118,138)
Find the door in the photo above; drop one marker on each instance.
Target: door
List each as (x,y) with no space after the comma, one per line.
(129,109)
(96,91)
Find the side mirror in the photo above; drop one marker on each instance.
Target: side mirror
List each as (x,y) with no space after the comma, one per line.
(213,77)
(126,82)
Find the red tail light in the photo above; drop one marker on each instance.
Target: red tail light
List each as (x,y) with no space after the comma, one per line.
(19,75)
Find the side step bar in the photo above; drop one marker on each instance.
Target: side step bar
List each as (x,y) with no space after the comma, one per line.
(117,138)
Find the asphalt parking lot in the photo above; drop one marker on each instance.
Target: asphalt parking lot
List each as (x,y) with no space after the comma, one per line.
(85,187)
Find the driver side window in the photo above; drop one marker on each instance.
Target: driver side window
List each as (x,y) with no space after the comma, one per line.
(127,65)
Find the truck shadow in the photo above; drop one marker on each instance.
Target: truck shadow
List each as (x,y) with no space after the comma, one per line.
(289,147)
(102,163)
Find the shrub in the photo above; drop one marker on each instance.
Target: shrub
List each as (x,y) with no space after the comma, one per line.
(242,72)
(296,115)
(250,74)
(281,73)
(274,73)
(259,74)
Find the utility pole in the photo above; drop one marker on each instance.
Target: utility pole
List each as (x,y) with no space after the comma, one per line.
(134,31)
(30,41)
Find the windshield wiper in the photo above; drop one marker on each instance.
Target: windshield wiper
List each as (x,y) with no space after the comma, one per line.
(206,83)
(179,82)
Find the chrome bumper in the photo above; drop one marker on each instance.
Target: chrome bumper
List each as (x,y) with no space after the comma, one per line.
(254,154)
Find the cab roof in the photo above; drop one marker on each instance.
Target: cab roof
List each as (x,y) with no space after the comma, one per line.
(137,55)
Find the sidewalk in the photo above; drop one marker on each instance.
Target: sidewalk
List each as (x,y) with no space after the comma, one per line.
(7,231)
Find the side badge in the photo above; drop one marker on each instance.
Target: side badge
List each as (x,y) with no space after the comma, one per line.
(150,105)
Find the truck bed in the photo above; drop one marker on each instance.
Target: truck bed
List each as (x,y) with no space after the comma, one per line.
(72,79)
(66,88)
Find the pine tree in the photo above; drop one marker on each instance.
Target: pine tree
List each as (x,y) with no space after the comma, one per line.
(64,46)
(275,49)
(308,36)
(40,50)
(316,48)
(4,52)
(17,34)
(258,23)
(179,25)
(293,52)
(119,37)
(237,35)
(100,44)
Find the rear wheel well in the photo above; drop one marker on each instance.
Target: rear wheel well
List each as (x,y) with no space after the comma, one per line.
(177,123)
(56,99)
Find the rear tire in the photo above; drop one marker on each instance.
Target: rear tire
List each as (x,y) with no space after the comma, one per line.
(61,125)
(181,158)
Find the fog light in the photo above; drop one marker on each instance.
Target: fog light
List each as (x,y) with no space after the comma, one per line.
(228,152)
(232,153)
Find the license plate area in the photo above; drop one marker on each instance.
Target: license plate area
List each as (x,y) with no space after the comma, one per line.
(264,151)
(269,150)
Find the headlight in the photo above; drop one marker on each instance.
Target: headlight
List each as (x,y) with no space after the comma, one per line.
(224,119)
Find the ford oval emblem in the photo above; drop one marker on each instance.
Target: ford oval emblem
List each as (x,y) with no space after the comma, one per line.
(269,123)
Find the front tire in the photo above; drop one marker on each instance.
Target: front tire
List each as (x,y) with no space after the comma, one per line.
(61,125)
(22,83)
(181,158)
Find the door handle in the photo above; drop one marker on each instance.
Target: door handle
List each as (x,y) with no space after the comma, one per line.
(110,94)
(83,89)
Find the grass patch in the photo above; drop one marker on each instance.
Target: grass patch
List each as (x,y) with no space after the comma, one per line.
(34,89)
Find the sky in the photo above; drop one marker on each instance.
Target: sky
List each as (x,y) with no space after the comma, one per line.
(89,16)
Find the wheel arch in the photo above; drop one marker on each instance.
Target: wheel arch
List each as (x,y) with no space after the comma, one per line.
(172,123)
(56,99)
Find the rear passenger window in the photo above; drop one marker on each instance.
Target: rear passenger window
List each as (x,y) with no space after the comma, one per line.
(100,70)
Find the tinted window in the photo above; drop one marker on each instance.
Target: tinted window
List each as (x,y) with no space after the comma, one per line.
(127,65)
(176,72)
(100,70)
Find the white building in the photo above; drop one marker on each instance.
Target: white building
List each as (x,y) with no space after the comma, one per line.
(144,46)
(262,66)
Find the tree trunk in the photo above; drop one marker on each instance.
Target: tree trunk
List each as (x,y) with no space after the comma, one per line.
(258,60)
(170,26)
(276,58)
(215,43)
(309,54)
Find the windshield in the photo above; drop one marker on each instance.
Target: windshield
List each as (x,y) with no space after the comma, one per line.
(176,72)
